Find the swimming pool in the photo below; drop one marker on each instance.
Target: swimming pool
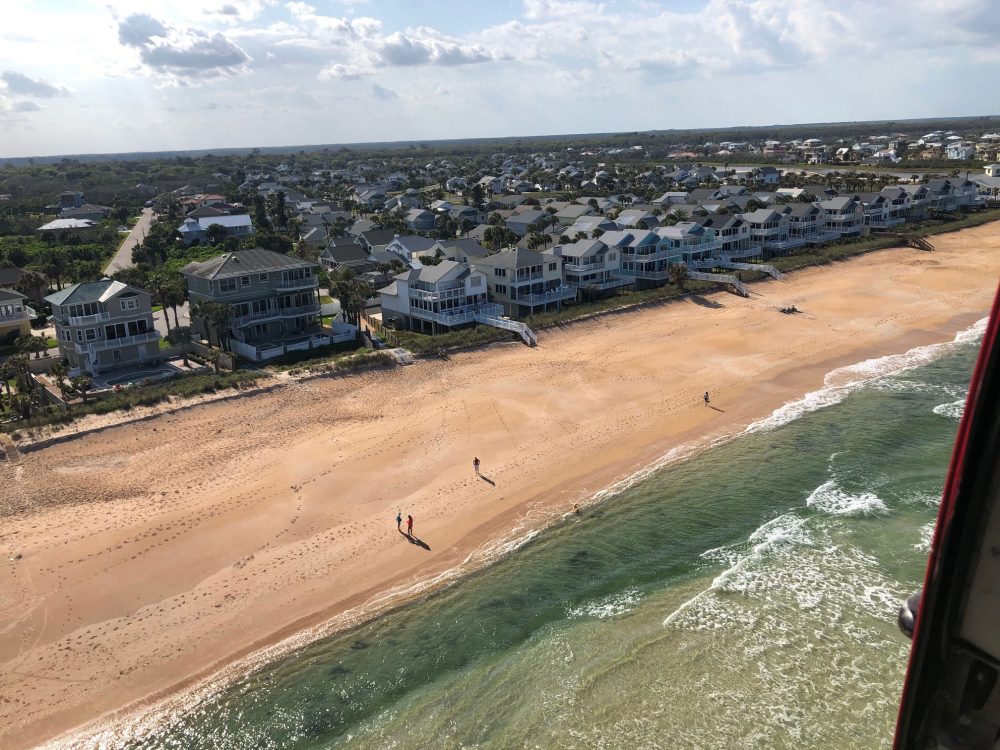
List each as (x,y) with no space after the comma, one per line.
(132,378)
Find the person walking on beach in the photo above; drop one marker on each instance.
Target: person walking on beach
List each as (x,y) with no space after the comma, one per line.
(399,520)
(706,398)
(475,465)
(409,525)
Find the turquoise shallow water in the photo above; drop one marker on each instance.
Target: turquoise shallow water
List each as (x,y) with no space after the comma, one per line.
(743,599)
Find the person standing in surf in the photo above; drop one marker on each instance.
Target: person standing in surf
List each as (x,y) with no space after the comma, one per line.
(409,525)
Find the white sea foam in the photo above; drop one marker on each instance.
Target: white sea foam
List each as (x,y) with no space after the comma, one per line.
(829,498)
(699,613)
(610,606)
(952,410)
(926,537)
(839,383)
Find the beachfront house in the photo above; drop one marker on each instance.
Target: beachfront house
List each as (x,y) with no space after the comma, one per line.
(690,240)
(769,231)
(273,300)
(843,215)
(898,209)
(103,325)
(643,256)
(525,282)
(15,315)
(196,230)
(920,201)
(431,297)
(807,223)
(732,234)
(592,267)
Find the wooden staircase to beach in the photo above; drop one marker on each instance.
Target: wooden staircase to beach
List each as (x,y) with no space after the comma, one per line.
(771,271)
(915,240)
(734,284)
(498,321)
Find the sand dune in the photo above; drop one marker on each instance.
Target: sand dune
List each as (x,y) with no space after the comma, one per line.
(152,554)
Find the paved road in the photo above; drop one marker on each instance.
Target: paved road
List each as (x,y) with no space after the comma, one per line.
(123,258)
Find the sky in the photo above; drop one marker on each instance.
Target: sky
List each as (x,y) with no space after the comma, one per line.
(99,76)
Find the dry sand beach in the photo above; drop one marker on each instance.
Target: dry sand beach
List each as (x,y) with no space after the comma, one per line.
(153,554)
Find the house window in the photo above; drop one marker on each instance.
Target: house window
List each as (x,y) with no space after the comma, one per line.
(244,281)
(501,289)
(500,272)
(262,277)
(130,304)
(79,335)
(477,281)
(227,285)
(66,336)
(90,334)
(552,266)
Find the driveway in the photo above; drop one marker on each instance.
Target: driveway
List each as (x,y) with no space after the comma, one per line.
(123,258)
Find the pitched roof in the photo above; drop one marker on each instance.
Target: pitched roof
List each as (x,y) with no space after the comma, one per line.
(434,274)
(10,294)
(518,258)
(89,291)
(67,224)
(10,275)
(582,247)
(242,262)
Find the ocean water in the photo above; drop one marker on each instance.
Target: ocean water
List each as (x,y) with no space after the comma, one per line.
(744,598)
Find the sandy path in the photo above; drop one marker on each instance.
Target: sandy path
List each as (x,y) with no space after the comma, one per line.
(155,552)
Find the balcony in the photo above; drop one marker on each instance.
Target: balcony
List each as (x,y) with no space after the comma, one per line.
(309,282)
(558,294)
(275,314)
(451,318)
(584,267)
(786,244)
(609,283)
(92,347)
(636,257)
(527,278)
(820,237)
(438,294)
(14,317)
(89,320)
(651,274)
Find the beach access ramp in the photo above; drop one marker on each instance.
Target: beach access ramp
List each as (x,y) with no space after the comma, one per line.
(721,278)
(498,321)
(771,271)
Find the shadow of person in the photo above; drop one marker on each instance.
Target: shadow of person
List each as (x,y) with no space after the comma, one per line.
(716,408)
(414,540)
(488,480)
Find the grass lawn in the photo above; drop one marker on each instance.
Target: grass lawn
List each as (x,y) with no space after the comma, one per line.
(157,308)
(327,320)
(164,344)
(325,299)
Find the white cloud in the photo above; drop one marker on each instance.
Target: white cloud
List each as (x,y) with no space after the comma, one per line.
(18,83)
(381,92)
(180,51)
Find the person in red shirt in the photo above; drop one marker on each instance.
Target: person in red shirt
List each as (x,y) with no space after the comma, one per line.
(409,525)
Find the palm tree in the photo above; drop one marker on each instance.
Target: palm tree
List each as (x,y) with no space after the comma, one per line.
(677,275)
(157,284)
(59,373)
(221,317)
(182,336)
(8,371)
(81,384)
